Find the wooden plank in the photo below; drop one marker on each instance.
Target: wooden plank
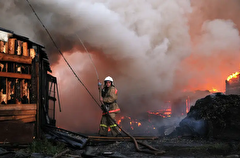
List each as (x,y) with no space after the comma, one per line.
(32,53)
(28,120)
(18,107)
(16,132)
(19,47)
(13,118)
(15,58)
(3,47)
(99,138)
(11,45)
(17,112)
(38,122)
(15,75)
(25,49)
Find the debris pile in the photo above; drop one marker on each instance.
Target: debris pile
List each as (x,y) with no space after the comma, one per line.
(215,116)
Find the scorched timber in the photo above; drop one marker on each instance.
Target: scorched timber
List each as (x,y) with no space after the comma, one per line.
(15,58)
(16,132)
(18,112)
(12,118)
(15,75)
(18,107)
(71,138)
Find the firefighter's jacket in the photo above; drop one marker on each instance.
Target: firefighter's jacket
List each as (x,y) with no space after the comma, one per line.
(110,99)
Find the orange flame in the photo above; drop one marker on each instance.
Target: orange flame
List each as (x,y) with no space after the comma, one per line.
(213,90)
(163,113)
(234,75)
(188,104)
(132,122)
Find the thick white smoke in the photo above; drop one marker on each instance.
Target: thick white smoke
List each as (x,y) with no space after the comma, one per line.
(153,49)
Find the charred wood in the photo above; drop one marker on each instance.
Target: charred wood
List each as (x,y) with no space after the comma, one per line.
(73,139)
(16,132)
(214,116)
(18,107)
(15,75)
(17,112)
(15,58)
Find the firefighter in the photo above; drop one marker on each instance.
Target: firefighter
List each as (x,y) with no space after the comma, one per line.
(108,98)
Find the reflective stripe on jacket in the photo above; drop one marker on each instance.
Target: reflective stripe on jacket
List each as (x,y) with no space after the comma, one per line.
(112,111)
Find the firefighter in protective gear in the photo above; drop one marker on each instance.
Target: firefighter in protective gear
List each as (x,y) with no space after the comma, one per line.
(108,97)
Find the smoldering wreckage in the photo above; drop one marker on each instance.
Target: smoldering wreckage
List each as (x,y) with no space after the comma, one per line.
(27,112)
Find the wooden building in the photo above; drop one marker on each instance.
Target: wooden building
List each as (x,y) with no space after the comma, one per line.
(27,90)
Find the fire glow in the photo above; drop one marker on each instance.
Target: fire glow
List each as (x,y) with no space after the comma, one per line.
(132,122)
(147,125)
(234,75)
(162,113)
(135,126)
(213,90)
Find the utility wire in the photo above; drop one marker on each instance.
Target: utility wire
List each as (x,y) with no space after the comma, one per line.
(62,53)
(89,56)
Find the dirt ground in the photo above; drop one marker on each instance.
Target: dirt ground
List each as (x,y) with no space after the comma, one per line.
(173,147)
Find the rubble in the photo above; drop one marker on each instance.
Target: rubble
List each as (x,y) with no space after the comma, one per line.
(174,147)
(214,116)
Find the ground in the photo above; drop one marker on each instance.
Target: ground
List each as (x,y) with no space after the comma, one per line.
(173,147)
(122,148)
(210,129)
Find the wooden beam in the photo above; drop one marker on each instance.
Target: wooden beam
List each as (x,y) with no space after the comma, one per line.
(28,119)
(38,121)
(18,107)
(99,138)
(17,112)
(15,75)
(12,118)
(16,132)
(15,58)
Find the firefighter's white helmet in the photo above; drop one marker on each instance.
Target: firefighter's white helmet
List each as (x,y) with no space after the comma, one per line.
(108,79)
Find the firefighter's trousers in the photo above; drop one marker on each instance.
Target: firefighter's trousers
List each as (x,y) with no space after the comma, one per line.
(106,122)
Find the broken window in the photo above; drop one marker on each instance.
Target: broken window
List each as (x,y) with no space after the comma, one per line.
(14,87)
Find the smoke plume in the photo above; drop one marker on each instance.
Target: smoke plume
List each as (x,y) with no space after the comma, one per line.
(154,50)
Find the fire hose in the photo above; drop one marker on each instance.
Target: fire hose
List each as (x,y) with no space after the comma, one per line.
(152,149)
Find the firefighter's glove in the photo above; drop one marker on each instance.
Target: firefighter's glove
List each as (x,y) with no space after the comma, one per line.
(99,85)
(104,108)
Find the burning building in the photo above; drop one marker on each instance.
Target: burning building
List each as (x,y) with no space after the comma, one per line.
(27,90)
(233,84)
